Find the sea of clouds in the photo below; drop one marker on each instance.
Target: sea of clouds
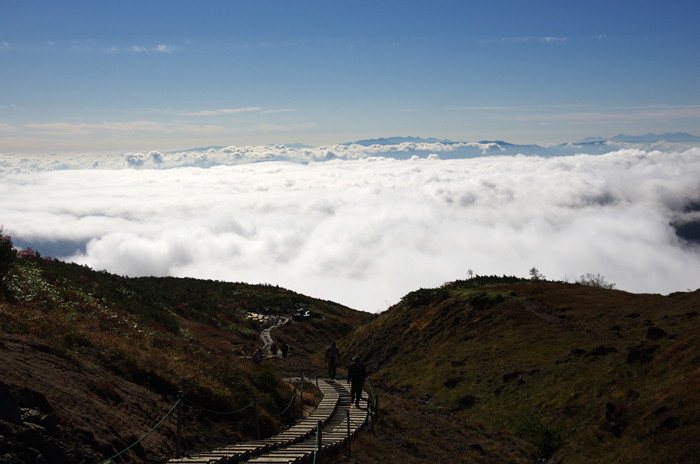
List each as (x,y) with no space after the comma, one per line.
(362,226)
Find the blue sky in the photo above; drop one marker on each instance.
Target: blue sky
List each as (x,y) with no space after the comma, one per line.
(167,75)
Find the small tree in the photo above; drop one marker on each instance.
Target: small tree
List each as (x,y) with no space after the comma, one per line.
(7,257)
(536,275)
(595,280)
(7,253)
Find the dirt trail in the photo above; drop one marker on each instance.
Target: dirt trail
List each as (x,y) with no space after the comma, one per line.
(266,334)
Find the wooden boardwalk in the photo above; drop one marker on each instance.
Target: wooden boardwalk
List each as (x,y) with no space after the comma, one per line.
(298,443)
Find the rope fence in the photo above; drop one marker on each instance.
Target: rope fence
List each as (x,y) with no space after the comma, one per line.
(217,412)
(147,434)
(372,405)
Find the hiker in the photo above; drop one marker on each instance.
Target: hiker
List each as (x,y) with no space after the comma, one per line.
(258,356)
(332,355)
(285,349)
(273,350)
(356,376)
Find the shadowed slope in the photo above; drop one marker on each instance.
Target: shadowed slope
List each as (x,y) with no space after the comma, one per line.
(614,376)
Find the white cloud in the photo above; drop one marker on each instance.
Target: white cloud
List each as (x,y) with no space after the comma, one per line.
(219,112)
(554,39)
(366,230)
(286,110)
(164,48)
(6,127)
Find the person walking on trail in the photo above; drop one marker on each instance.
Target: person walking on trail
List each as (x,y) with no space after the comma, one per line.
(356,377)
(332,355)
(258,356)
(273,350)
(285,348)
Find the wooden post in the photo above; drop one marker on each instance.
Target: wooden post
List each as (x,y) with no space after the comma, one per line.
(255,417)
(347,418)
(179,425)
(294,404)
(319,451)
(376,407)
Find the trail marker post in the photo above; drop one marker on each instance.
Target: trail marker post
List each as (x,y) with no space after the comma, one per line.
(255,418)
(179,425)
(319,450)
(347,418)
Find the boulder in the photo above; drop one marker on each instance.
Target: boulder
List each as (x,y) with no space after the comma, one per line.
(467,401)
(576,352)
(670,423)
(632,396)
(52,424)
(601,350)
(53,452)
(8,407)
(451,383)
(655,333)
(644,352)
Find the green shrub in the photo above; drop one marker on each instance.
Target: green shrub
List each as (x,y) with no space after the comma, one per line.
(7,257)
(425,296)
(481,300)
(531,428)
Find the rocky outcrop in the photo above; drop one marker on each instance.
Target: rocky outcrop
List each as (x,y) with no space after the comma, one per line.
(30,433)
(644,353)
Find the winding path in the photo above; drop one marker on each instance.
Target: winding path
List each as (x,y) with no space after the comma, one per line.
(298,444)
(266,335)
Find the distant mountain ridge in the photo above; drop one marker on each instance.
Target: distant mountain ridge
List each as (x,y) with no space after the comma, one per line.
(648,138)
(396,141)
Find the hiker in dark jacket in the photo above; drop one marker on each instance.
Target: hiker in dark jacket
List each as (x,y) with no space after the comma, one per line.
(332,355)
(356,377)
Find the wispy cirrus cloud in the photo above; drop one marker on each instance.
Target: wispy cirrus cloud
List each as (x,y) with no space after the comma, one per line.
(7,128)
(5,46)
(285,110)
(219,112)
(507,40)
(121,128)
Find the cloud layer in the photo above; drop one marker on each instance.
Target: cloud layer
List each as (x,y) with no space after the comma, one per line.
(365,230)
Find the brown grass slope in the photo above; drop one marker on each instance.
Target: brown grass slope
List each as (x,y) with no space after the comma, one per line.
(108,355)
(567,367)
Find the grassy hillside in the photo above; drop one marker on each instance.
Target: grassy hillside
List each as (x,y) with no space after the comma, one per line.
(489,369)
(589,374)
(118,339)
